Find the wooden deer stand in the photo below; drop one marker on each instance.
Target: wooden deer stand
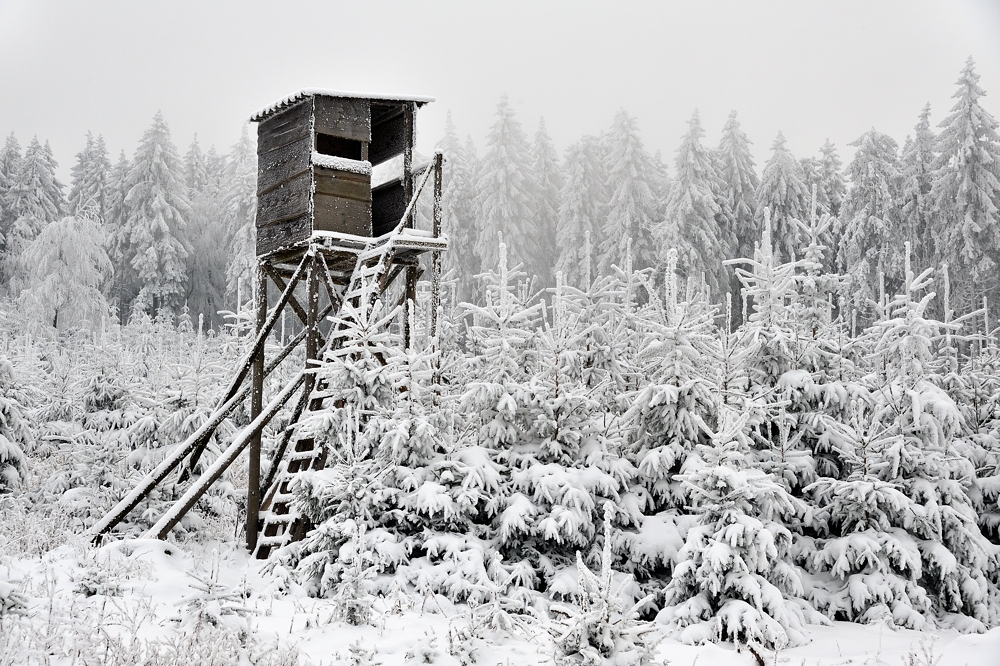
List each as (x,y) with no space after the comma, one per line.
(335,211)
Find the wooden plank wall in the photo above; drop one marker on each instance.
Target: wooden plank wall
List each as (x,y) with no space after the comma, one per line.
(284,179)
(342,202)
(344,117)
(388,132)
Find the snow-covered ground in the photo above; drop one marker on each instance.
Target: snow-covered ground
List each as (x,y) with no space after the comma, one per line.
(152,602)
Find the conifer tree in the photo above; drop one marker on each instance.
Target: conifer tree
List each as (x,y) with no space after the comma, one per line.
(88,195)
(783,191)
(458,210)
(35,199)
(870,247)
(10,164)
(632,203)
(739,186)
(694,213)
(240,192)
(506,192)
(549,185)
(966,192)
(123,287)
(206,267)
(917,166)
(583,201)
(832,178)
(157,220)
(14,432)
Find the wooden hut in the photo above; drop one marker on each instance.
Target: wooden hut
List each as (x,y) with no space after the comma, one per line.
(332,161)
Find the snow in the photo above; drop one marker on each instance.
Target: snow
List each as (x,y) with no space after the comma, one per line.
(362,167)
(312,92)
(392,169)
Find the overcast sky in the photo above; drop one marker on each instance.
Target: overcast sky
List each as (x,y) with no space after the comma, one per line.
(814,70)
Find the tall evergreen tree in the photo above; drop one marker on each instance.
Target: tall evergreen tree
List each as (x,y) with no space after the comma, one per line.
(88,195)
(35,199)
(206,279)
(783,191)
(871,245)
(631,201)
(549,184)
(458,216)
(917,165)
(966,191)
(693,214)
(506,193)
(739,183)
(581,211)
(157,220)
(122,289)
(241,212)
(832,178)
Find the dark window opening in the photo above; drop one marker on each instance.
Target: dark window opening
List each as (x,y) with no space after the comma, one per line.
(336,146)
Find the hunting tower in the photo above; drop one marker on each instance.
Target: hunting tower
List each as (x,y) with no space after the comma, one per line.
(336,193)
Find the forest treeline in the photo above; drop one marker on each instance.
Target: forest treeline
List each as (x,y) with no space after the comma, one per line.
(162,231)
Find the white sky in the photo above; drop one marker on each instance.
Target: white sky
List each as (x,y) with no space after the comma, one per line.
(814,70)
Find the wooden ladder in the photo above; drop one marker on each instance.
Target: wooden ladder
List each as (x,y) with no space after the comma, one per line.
(279,523)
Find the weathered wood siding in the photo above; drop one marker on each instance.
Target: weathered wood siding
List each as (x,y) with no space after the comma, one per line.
(388,133)
(344,117)
(342,202)
(388,206)
(283,234)
(284,179)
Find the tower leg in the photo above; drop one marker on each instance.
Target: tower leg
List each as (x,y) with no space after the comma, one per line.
(256,405)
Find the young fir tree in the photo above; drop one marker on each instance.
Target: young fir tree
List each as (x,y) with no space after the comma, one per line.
(581,212)
(966,193)
(783,191)
(548,189)
(732,581)
(458,217)
(88,195)
(240,193)
(632,203)
(695,221)
(739,186)
(66,267)
(14,433)
(507,189)
(873,234)
(917,167)
(158,209)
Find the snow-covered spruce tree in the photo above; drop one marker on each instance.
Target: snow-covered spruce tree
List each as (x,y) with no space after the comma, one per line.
(632,205)
(870,245)
(88,194)
(832,178)
(562,463)
(739,188)
(458,210)
(548,190)
(156,221)
(240,193)
(122,288)
(14,432)
(580,229)
(10,164)
(732,581)
(205,284)
(966,193)
(916,165)
(783,191)
(670,415)
(65,267)
(34,199)
(695,222)
(958,565)
(506,191)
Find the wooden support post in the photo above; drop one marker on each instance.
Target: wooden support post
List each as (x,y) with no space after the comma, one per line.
(173,516)
(256,405)
(312,319)
(412,274)
(436,255)
(408,138)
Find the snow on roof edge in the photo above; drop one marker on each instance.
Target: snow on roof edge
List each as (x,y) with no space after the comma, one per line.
(263,113)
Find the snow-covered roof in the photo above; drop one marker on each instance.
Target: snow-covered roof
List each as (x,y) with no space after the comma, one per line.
(311,92)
